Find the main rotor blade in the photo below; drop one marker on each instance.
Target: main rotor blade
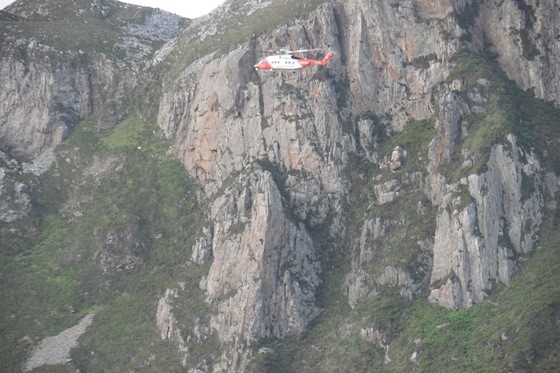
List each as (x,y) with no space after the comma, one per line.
(286,51)
(306,50)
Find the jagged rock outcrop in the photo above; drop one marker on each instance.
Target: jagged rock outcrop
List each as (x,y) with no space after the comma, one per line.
(231,118)
(264,272)
(262,280)
(167,323)
(15,201)
(202,249)
(361,282)
(478,245)
(232,121)
(224,118)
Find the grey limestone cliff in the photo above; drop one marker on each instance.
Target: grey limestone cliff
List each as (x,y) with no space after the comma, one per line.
(392,70)
(480,244)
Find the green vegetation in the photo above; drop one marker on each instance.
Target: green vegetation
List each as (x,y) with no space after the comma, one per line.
(501,108)
(415,139)
(492,121)
(467,16)
(530,50)
(75,25)
(422,62)
(122,335)
(116,218)
(334,340)
(513,330)
(405,225)
(237,27)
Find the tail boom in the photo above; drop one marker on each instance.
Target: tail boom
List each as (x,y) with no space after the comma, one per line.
(325,60)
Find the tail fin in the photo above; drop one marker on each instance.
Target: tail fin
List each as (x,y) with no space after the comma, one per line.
(327,58)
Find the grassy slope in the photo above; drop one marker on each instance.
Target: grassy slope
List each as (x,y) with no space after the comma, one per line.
(513,329)
(51,280)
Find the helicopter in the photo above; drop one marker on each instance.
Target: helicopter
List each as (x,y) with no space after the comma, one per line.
(290,60)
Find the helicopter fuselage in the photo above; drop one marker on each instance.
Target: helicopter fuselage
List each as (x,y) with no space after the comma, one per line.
(289,62)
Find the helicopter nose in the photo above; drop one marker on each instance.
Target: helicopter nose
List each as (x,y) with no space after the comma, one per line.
(262,65)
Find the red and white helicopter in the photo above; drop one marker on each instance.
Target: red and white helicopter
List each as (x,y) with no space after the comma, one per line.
(290,60)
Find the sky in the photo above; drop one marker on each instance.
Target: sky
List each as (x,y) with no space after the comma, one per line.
(185,8)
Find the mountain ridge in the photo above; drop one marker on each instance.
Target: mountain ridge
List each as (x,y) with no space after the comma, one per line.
(383,213)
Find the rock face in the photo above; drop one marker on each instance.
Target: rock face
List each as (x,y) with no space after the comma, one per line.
(46,90)
(389,71)
(478,245)
(264,272)
(39,106)
(262,280)
(230,118)
(524,34)
(167,323)
(231,121)
(404,157)
(15,201)
(56,350)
